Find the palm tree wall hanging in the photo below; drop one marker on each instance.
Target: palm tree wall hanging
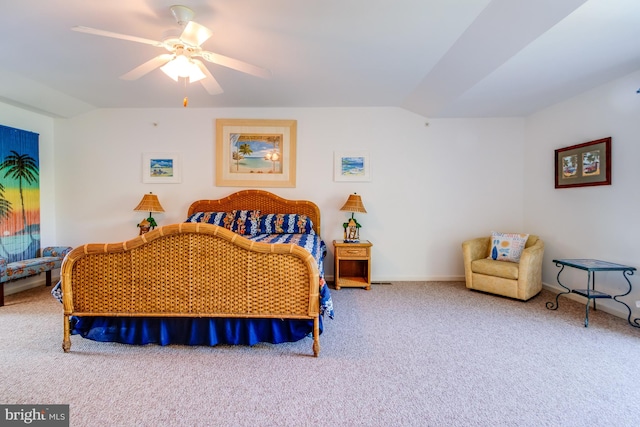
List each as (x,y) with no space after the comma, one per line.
(19,194)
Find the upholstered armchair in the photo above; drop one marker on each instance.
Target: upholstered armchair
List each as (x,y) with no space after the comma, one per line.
(521,280)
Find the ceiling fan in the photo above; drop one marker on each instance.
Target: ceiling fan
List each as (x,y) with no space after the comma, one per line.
(183,50)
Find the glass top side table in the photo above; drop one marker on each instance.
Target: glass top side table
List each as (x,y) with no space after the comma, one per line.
(590,293)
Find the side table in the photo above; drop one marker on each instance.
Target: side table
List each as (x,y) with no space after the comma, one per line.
(590,293)
(352,264)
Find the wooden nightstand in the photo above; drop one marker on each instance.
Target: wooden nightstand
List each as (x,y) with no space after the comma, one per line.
(352,264)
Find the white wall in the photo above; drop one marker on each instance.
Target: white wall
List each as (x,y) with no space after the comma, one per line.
(589,222)
(432,186)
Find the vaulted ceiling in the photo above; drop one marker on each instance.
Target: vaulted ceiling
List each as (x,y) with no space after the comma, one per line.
(437,58)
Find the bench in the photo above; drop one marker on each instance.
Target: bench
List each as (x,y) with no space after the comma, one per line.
(51,259)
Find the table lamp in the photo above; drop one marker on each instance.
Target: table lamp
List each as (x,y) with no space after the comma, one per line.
(149,203)
(352,227)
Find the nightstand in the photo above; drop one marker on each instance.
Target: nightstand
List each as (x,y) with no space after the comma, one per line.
(352,264)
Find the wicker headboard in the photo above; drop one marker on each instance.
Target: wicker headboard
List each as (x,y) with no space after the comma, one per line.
(267,203)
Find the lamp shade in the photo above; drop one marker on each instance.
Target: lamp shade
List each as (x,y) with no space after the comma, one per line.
(149,203)
(354,204)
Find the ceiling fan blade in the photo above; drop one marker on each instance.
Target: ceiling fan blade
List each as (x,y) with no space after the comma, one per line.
(96,32)
(147,67)
(236,64)
(195,34)
(209,82)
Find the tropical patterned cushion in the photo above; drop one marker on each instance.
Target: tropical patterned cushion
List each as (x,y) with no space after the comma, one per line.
(51,258)
(244,222)
(251,222)
(507,246)
(30,267)
(215,218)
(285,223)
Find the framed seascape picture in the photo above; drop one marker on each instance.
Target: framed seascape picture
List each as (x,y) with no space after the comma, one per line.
(351,166)
(584,165)
(256,153)
(161,168)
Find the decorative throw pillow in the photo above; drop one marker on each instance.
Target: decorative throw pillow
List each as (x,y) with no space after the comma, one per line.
(507,246)
(215,218)
(244,221)
(285,223)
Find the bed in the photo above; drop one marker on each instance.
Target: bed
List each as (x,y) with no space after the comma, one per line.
(240,270)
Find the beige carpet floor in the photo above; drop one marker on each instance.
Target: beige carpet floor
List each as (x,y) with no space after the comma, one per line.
(406,354)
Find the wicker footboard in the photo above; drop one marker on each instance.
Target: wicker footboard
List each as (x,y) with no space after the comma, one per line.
(191,270)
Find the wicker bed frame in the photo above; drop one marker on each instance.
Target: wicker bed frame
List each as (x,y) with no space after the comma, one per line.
(197,270)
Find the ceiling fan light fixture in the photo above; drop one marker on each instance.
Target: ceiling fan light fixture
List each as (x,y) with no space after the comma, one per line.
(183,47)
(181,66)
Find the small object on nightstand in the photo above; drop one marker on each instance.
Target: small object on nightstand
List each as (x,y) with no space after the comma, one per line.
(144,226)
(352,264)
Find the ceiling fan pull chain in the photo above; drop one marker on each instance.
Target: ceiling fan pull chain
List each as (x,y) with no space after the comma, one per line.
(185,101)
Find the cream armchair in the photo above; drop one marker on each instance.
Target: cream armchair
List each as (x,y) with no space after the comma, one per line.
(521,280)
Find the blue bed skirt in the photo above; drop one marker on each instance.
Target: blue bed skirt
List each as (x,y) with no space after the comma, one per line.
(191,331)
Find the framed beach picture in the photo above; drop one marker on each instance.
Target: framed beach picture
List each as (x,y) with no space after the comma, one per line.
(256,153)
(351,166)
(584,164)
(161,168)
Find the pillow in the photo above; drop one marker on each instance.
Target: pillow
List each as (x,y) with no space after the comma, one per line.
(285,223)
(244,221)
(215,218)
(507,246)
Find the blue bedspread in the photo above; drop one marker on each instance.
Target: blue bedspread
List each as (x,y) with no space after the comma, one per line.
(210,331)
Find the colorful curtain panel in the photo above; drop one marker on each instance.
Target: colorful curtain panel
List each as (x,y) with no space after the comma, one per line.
(19,194)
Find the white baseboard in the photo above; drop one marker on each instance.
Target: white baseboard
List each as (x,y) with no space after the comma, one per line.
(608,306)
